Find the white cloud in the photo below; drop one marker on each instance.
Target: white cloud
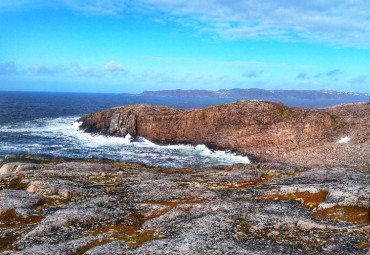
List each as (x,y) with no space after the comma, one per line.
(252,74)
(343,23)
(113,66)
(86,71)
(335,22)
(103,7)
(44,70)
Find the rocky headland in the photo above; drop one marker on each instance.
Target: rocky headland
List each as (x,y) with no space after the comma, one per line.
(94,206)
(305,193)
(265,131)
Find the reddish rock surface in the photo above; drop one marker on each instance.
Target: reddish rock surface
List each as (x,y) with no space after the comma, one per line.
(268,131)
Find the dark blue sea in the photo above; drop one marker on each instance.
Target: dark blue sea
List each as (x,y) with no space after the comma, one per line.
(45,123)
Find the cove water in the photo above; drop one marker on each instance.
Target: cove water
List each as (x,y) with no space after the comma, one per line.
(46,123)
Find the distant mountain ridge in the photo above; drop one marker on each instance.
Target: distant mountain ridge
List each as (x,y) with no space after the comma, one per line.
(262,94)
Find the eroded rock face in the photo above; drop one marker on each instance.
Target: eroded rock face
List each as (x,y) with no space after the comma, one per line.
(123,208)
(269,131)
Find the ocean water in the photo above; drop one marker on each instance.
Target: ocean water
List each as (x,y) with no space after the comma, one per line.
(46,123)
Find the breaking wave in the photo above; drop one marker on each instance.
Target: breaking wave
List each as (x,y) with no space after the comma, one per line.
(62,137)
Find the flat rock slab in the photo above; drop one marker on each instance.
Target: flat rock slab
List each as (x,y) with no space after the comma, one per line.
(105,207)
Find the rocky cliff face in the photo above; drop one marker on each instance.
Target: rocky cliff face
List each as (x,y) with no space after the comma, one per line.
(266,130)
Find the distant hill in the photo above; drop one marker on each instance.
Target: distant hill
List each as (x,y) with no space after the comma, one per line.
(254,93)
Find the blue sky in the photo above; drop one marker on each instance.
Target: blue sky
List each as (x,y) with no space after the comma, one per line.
(132,46)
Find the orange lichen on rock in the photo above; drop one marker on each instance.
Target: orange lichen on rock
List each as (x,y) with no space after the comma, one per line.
(17,183)
(133,234)
(10,219)
(309,200)
(365,245)
(235,185)
(6,241)
(351,214)
(47,201)
(276,174)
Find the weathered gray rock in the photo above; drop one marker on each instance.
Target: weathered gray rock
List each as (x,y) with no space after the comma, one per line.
(122,208)
(60,248)
(115,247)
(17,199)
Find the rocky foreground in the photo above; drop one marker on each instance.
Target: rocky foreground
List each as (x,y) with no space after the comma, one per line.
(265,131)
(65,206)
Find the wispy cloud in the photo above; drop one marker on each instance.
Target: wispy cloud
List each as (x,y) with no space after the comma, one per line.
(343,23)
(166,59)
(73,69)
(86,71)
(97,7)
(8,68)
(44,70)
(252,74)
(360,79)
(330,74)
(241,63)
(338,23)
(302,76)
(113,67)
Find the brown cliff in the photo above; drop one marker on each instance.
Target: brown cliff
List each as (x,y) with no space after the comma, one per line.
(269,131)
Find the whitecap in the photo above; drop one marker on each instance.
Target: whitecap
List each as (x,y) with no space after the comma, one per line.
(63,137)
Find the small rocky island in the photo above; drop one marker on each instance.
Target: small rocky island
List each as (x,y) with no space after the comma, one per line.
(306,192)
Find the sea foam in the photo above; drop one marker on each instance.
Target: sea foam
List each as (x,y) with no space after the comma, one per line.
(63,137)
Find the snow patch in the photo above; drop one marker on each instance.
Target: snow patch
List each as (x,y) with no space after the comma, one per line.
(345,139)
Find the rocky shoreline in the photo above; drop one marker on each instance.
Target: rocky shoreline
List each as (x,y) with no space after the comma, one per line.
(51,205)
(307,194)
(263,130)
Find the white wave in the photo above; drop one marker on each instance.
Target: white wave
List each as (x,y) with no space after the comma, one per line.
(69,139)
(201,149)
(231,157)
